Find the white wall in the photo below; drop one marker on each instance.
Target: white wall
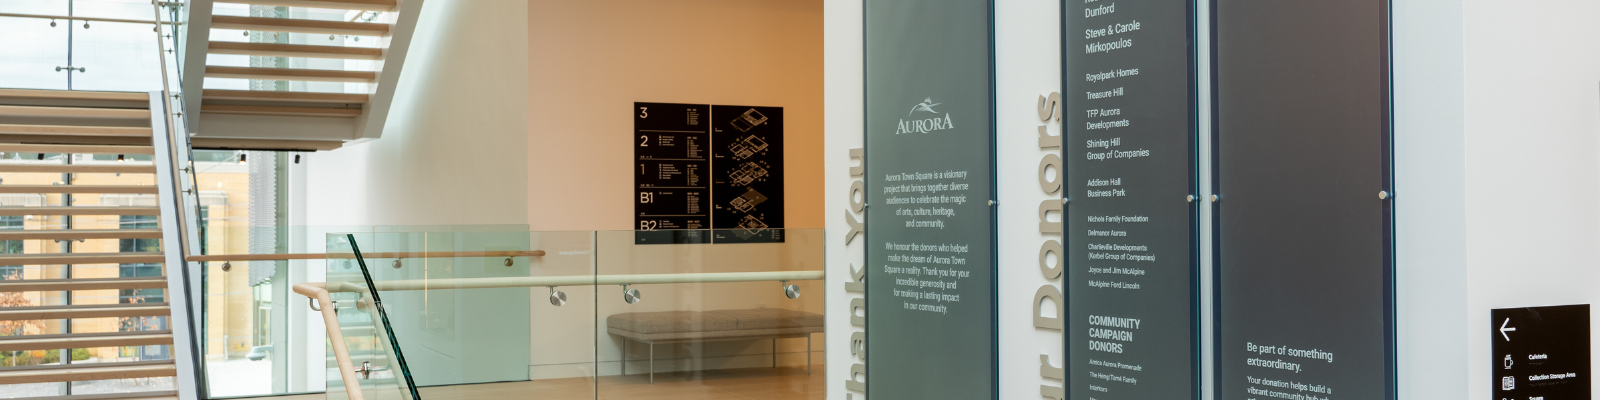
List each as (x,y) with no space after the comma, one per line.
(454,148)
(453,153)
(1027,65)
(1532,163)
(1430,201)
(844,73)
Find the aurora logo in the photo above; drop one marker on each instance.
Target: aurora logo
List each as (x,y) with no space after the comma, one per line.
(925,125)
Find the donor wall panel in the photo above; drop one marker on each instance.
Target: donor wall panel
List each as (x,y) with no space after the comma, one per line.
(1304,244)
(1132,218)
(929,178)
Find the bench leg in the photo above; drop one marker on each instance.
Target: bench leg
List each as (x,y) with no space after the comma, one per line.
(808,354)
(625,358)
(652,363)
(774,352)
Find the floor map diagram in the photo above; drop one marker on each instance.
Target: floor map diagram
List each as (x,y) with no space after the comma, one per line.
(708,173)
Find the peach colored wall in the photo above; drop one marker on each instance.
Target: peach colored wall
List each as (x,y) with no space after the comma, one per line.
(588,62)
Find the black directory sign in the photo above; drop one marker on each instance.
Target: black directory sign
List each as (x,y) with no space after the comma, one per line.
(930,226)
(672,184)
(1540,353)
(747,155)
(1304,244)
(1131,222)
(701,167)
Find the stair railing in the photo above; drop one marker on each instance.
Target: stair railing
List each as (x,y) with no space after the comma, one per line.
(170,147)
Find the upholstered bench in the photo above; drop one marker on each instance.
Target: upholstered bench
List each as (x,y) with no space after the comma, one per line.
(665,327)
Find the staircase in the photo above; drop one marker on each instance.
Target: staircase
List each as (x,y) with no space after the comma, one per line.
(292,107)
(83,277)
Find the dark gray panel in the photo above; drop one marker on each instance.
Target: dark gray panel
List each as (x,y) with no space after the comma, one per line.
(1131,280)
(1304,264)
(929,174)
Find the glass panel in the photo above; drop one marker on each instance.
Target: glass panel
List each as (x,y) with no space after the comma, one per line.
(457,336)
(710,320)
(115,56)
(34,49)
(364,325)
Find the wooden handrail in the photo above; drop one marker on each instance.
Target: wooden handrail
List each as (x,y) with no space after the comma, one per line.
(367,255)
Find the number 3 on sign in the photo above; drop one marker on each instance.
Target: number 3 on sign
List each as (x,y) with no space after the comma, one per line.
(644,112)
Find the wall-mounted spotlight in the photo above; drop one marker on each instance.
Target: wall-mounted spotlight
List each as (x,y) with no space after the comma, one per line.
(120,158)
(41,156)
(631,296)
(557,297)
(296,158)
(241,157)
(790,290)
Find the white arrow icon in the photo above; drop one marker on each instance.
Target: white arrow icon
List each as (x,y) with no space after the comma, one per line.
(1504,329)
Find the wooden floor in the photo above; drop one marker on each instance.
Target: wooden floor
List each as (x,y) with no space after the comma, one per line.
(787,383)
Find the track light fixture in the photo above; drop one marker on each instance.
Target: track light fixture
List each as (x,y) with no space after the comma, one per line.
(119,158)
(241,157)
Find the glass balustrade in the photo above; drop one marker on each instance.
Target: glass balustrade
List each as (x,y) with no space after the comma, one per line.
(489,312)
(104,45)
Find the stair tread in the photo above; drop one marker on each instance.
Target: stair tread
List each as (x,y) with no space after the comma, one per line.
(66,234)
(87,372)
(123,189)
(81,258)
(74,148)
(290,74)
(285,97)
(362,5)
(84,311)
(292,25)
(85,340)
(74,130)
(78,210)
(151,395)
(294,50)
(79,168)
(43,285)
(281,110)
(74,95)
(73,112)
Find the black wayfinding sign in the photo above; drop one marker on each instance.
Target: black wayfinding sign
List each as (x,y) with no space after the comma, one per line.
(702,167)
(929,181)
(1132,276)
(1541,352)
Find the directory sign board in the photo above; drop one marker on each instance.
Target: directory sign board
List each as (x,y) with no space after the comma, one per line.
(929,179)
(1131,220)
(1541,353)
(1304,220)
(747,164)
(701,167)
